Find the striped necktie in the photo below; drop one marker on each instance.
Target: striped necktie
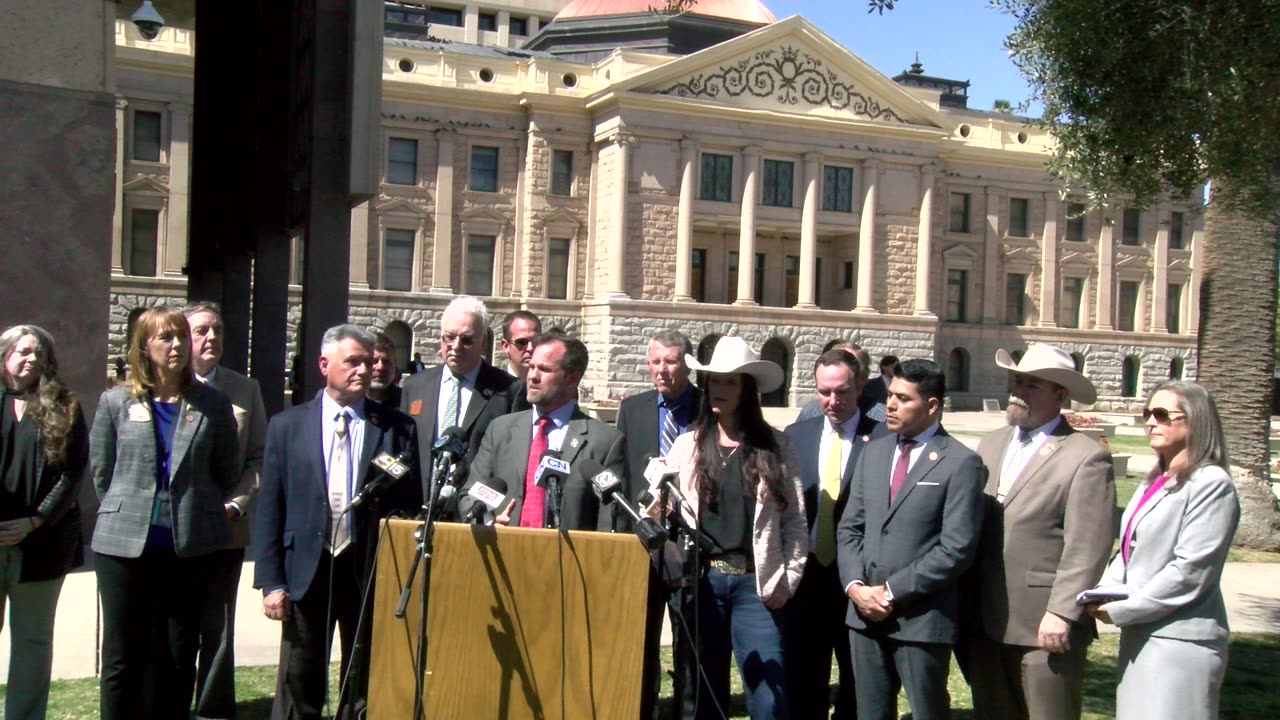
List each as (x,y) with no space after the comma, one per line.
(339,485)
(669,429)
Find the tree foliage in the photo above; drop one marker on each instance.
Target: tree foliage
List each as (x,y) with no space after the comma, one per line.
(1149,96)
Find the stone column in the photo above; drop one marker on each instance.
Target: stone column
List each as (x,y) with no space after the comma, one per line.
(924,243)
(442,245)
(684,223)
(1160,271)
(1197,274)
(809,230)
(747,227)
(176,226)
(1049,263)
(867,236)
(117,218)
(992,250)
(615,283)
(359,273)
(1106,262)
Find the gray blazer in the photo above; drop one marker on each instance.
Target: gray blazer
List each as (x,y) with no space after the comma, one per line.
(1180,544)
(251,428)
(122,454)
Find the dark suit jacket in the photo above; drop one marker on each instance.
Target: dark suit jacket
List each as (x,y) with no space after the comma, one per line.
(421,397)
(873,393)
(919,545)
(202,471)
(504,453)
(806,440)
(293,505)
(638,423)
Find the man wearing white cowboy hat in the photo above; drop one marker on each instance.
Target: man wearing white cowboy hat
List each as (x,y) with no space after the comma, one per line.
(1050,523)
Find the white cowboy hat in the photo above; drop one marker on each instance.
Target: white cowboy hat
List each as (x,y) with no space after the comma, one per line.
(734,355)
(1051,363)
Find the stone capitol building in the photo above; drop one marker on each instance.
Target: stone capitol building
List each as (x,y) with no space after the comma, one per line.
(618,170)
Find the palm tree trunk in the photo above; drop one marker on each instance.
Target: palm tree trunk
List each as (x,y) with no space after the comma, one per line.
(1236,345)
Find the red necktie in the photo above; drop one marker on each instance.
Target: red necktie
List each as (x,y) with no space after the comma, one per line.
(900,468)
(533,511)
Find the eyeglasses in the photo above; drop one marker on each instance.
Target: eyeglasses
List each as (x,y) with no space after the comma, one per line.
(521,343)
(466,340)
(1162,416)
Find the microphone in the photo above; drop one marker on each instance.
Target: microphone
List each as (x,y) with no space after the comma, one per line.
(605,484)
(550,469)
(390,468)
(662,473)
(488,499)
(450,442)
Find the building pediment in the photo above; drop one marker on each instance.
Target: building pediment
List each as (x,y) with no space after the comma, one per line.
(401,206)
(148,184)
(1076,258)
(790,67)
(561,217)
(960,253)
(1132,260)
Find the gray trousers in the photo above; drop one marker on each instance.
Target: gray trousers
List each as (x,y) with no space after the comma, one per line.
(31,607)
(1018,682)
(1168,679)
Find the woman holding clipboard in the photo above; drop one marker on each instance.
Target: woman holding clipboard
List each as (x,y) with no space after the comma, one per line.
(1174,538)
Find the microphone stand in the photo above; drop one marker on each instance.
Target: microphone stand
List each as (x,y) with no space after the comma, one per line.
(425,534)
(553,502)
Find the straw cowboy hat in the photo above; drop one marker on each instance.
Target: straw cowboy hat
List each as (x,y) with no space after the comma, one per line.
(1051,363)
(734,355)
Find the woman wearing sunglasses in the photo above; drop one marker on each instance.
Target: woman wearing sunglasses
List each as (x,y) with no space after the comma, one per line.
(1174,538)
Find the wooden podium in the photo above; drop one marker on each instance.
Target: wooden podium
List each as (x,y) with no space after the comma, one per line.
(521,623)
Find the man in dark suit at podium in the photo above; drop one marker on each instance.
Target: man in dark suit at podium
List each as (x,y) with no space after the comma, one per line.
(312,559)
(649,423)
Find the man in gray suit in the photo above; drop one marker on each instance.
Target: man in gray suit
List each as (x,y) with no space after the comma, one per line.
(1048,532)
(909,530)
(215,675)
(515,444)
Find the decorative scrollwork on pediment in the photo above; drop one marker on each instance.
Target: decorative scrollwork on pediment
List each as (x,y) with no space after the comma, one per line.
(789,76)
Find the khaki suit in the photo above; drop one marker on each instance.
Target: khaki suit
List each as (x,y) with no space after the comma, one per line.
(1047,541)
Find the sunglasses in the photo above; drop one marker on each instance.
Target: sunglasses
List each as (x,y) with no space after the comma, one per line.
(521,343)
(466,340)
(1162,415)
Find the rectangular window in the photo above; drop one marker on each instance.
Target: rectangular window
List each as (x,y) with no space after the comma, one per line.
(519,26)
(779,179)
(1131,232)
(1177,241)
(146,136)
(484,169)
(792,295)
(717,178)
(731,278)
(759,278)
(698,275)
(444,16)
(1173,310)
(402,161)
(1072,294)
(558,269)
(1077,213)
(1015,299)
(488,21)
(480,249)
(406,22)
(1127,317)
(959,212)
(848,275)
(957,288)
(1019,217)
(397,260)
(837,189)
(562,172)
(144,233)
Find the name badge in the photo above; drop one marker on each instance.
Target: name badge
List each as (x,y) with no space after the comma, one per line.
(139,413)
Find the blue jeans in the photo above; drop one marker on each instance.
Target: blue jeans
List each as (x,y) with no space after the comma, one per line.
(731,617)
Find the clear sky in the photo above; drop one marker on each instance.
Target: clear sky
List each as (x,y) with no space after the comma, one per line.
(956,39)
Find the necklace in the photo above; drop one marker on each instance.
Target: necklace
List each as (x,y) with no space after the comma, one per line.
(725,456)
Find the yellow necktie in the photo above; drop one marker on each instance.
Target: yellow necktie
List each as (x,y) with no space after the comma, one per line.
(825,549)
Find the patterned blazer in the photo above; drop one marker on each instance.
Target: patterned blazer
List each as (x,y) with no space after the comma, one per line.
(122,452)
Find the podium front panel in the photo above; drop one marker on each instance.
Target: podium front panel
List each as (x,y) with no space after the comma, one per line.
(521,623)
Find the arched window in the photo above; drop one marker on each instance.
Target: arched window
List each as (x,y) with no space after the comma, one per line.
(777,351)
(1129,380)
(958,370)
(402,336)
(128,328)
(1078,359)
(1175,368)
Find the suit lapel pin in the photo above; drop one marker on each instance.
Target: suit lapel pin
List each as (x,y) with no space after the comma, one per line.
(573,443)
(1046,449)
(487,393)
(933,456)
(866,438)
(191,418)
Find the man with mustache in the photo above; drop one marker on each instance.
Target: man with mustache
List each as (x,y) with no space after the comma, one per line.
(1050,523)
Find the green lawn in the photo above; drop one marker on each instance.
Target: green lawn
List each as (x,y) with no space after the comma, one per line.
(1253,674)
